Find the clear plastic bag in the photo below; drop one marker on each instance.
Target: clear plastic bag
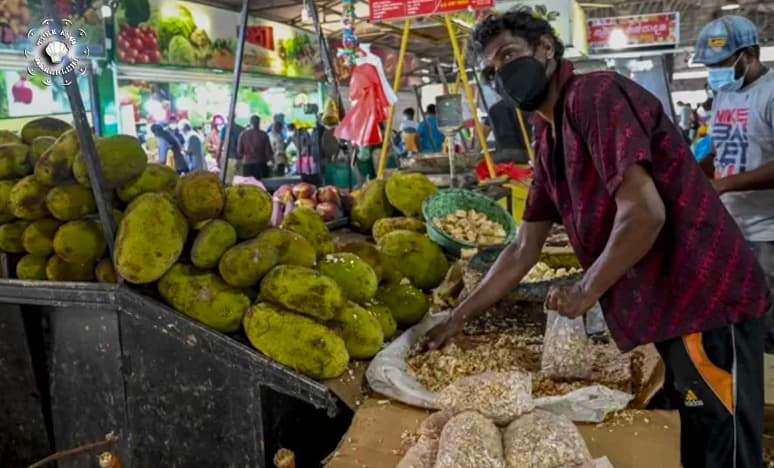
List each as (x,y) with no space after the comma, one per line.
(420,455)
(470,440)
(544,440)
(595,321)
(566,348)
(500,396)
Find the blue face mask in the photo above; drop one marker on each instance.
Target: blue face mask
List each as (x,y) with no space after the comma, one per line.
(724,79)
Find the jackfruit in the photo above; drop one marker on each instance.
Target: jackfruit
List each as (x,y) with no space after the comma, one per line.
(5,194)
(154,178)
(200,196)
(11,236)
(56,164)
(406,191)
(248,208)
(38,238)
(354,276)
(292,248)
(70,201)
(27,199)
(302,290)
(150,238)
(212,241)
(245,264)
(204,297)
(31,267)
(360,330)
(415,256)
(7,136)
(370,205)
(44,126)
(296,341)
(13,161)
(60,270)
(80,242)
(407,303)
(368,253)
(104,272)
(39,146)
(387,225)
(121,157)
(309,224)
(383,315)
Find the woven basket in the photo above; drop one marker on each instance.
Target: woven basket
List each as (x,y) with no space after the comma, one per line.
(443,202)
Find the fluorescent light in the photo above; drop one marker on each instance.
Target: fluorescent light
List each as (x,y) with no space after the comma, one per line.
(730,6)
(106,11)
(617,39)
(689,75)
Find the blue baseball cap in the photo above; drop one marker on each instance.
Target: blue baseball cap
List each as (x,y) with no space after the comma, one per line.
(724,37)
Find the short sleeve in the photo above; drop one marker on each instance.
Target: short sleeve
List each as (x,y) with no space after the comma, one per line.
(611,111)
(540,205)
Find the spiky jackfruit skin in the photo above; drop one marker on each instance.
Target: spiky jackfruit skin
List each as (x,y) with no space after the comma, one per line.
(384,316)
(368,253)
(7,136)
(370,205)
(416,257)
(55,165)
(104,272)
(13,161)
(44,126)
(154,178)
(39,146)
(200,196)
(406,191)
(248,208)
(361,331)
(80,242)
(387,225)
(296,341)
(31,267)
(204,297)
(292,248)
(5,194)
(309,224)
(121,157)
(11,236)
(27,199)
(302,290)
(60,270)
(38,238)
(407,303)
(70,201)
(245,264)
(354,276)
(150,238)
(212,241)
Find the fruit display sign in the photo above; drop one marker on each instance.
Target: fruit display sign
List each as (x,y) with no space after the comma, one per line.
(25,95)
(388,10)
(662,29)
(186,34)
(389,58)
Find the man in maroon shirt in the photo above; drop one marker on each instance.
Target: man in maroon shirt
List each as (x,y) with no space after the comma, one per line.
(660,252)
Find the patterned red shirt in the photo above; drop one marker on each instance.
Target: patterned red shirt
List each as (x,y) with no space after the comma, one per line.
(700,274)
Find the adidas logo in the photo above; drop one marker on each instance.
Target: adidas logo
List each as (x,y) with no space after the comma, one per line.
(691,400)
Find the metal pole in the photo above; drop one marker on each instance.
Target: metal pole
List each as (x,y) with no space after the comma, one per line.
(325,54)
(226,141)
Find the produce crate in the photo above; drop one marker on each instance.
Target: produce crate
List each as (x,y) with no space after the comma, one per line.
(176,393)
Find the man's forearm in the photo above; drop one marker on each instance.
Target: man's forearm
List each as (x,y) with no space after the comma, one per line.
(758,179)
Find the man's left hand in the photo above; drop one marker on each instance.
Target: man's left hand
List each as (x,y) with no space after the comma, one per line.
(570,300)
(720,186)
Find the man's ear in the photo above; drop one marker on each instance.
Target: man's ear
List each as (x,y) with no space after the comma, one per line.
(548,45)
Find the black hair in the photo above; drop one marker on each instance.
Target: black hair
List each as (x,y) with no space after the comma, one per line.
(291,126)
(519,21)
(255,121)
(187,127)
(409,112)
(430,109)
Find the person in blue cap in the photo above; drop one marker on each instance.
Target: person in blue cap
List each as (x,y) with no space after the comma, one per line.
(742,168)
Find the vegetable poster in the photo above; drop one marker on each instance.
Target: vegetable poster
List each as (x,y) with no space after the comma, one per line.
(188,34)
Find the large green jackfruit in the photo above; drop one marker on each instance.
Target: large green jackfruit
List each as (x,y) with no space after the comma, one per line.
(38,238)
(122,159)
(31,267)
(5,194)
(415,256)
(406,191)
(361,331)
(302,290)
(309,224)
(56,164)
(369,253)
(150,238)
(370,205)
(356,278)
(387,225)
(70,201)
(104,272)
(204,297)
(60,270)
(44,126)
(7,136)
(296,341)
(11,236)
(200,196)
(80,242)
(212,241)
(13,161)
(154,178)
(292,248)
(245,264)
(27,199)
(39,146)
(384,316)
(407,303)
(248,208)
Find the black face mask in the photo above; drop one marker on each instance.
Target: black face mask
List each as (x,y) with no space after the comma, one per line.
(523,83)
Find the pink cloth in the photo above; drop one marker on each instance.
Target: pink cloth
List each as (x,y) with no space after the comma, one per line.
(369,107)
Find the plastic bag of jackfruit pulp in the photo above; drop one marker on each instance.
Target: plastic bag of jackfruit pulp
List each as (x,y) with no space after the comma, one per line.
(566,348)
(500,396)
(544,440)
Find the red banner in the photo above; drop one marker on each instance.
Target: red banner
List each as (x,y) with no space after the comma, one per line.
(661,29)
(388,10)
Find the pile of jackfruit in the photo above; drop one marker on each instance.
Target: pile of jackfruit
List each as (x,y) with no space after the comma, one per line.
(211,252)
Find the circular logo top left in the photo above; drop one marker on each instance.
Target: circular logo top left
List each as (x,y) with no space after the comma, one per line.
(55,51)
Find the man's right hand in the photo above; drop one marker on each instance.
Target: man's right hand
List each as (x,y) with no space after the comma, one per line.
(440,334)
